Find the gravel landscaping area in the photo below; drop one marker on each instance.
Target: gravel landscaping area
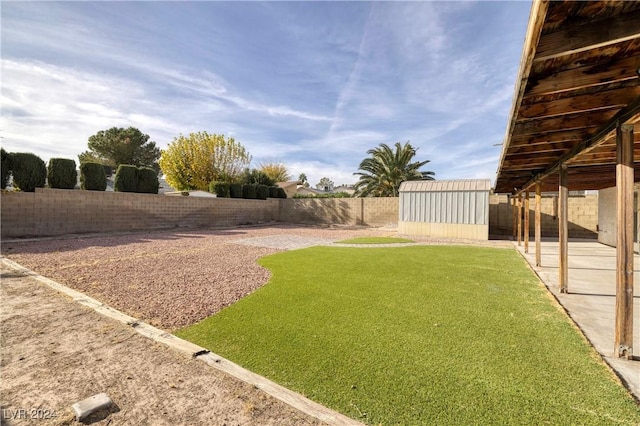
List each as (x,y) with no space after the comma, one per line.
(171,279)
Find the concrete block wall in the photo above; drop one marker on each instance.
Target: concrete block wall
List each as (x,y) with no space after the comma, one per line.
(608,217)
(49,212)
(57,211)
(342,211)
(379,211)
(583,216)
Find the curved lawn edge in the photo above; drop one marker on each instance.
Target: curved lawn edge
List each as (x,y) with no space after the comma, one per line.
(421,334)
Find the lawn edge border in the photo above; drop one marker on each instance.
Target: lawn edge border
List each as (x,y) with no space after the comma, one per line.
(289,397)
(618,377)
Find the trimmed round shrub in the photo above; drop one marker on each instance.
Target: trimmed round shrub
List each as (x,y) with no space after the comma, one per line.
(126,179)
(5,168)
(262,192)
(273,192)
(147,180)
(136,179)
(29,171)
(249,192)
(93,177)
(62,173)
(221,189)
(235,190)
(282,193)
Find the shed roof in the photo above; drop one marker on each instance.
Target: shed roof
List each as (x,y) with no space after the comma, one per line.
(445,185)
(578,79)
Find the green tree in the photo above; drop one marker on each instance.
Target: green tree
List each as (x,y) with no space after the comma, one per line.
(325,184)
(276,170)
(383,172)
(257,177)
(194,161)
(118,145)
(303,179)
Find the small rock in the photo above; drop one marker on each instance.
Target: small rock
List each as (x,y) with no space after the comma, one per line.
(94,404)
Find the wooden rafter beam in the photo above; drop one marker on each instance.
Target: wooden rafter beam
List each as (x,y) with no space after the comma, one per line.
(539,158)
(555,137)
(599,158)
(544,147)
(589,35)
(543,99)
(617,98)
(614,70)
(567,122)
(604,55)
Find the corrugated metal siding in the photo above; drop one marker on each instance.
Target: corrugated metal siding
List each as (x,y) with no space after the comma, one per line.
(465,202)
(445,207)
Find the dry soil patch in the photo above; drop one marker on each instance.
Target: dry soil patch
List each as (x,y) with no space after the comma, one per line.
(56,352)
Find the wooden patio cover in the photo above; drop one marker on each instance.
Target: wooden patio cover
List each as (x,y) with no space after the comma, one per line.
(579,78)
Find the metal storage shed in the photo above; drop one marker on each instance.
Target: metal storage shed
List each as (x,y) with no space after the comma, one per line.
(445,208)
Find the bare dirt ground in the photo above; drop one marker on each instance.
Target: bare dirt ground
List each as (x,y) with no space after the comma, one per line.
(55,352)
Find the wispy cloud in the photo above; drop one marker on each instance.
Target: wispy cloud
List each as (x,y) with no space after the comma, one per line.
(314,84)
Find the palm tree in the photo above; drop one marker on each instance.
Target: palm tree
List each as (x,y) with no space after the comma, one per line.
(385,170)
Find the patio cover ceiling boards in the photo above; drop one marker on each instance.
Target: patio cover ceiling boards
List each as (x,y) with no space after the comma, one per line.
(578,78)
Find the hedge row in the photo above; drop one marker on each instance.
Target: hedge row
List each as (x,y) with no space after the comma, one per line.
(28,170)
(62,173)
(93,177)
(252,191)
(136,179)
(5,168)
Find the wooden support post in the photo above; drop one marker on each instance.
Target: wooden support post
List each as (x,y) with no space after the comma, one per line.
(526,222)
(563,231)
(519,218)
(624,246)
(538,219)
(514,214)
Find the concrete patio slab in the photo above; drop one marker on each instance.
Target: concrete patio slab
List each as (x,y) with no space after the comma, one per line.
(592,297)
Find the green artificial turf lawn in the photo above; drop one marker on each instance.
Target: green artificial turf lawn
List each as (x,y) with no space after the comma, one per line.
(375,240)
(418,335)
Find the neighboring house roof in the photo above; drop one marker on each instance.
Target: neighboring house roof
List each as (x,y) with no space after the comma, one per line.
(289,184)
(309,191)
(290,187)
(446,185)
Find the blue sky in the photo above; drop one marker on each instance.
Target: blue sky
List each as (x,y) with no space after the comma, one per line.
(312,84)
